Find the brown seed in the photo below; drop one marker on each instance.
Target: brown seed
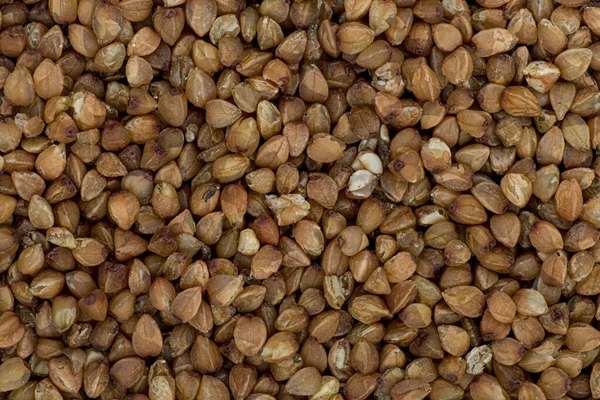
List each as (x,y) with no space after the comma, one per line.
(223,289)
(354,37)
(146,337)
(221,114)
(11,329)
(94,304)
(15,374)
(48,79)
(580,337)
(545,237)
(573,63)
(569,201)
(250,335)
(124,371)
(465,300)
(554,382)
(519,101)
(62,374)
(19,87)
(186,303)
(494,41)
(123,209)
(502,307)
(530,302)
(89,252)
(304,382)
(313,86)
(517,188)
(205,355)
(541,75)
